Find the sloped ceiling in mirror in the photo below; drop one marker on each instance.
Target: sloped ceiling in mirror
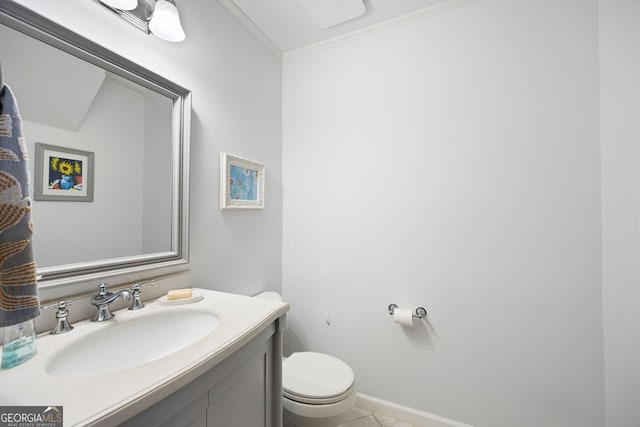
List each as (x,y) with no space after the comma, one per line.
(61,88)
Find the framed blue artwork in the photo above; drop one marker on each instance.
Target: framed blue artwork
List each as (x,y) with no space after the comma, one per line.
(242,183)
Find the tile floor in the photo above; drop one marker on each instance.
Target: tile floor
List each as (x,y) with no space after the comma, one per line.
(361,418)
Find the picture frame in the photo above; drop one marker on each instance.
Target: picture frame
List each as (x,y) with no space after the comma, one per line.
(63,174)
(241,183)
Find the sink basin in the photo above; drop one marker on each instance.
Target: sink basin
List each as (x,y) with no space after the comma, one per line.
(132,343)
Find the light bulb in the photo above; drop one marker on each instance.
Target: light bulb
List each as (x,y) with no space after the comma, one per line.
(121,4)
(165,22)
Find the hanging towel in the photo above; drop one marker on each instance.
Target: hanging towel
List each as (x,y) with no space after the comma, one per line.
(18,290)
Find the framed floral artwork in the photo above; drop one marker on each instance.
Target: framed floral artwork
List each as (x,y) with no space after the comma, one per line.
(63,174)
(242,183)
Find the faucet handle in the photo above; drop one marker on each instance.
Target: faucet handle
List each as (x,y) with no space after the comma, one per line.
(62,323)
(137,286)
(137,303)
(59,304)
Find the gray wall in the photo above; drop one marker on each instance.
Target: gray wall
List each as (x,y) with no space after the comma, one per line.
(453,162)
(620,135)
(157,177)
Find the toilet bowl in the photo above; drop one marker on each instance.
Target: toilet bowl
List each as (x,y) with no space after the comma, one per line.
(317,389)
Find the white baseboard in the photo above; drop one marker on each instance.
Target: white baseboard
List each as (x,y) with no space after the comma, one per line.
(405,413)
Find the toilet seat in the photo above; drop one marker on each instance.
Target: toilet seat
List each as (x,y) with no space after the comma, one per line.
(315,400)
(316,378)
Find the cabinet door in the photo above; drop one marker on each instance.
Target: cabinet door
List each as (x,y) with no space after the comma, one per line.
(199,421)
(194,415)
(178,410)
(241,399)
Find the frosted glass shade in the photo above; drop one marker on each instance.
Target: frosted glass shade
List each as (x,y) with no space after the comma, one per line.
(121,4)
(165,22)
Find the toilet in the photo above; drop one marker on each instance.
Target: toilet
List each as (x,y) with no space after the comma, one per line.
(317,389)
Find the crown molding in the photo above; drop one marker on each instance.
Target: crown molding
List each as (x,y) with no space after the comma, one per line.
(383,26)
(418,15)
(251,26)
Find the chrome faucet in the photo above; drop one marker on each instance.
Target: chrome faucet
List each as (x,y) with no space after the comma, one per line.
(103,299)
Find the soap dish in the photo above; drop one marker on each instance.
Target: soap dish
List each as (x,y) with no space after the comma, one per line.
(195,297)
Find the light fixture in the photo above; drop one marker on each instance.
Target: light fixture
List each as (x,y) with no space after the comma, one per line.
(159,17)
(121,4)
(165,22)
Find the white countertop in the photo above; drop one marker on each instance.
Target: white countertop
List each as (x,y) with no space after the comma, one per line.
(112,398)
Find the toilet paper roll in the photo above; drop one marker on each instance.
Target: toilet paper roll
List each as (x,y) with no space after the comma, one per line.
(403,316)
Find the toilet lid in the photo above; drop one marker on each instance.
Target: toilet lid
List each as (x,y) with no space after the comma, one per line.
(316,376)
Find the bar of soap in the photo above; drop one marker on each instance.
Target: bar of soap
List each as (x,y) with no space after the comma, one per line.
(178,294)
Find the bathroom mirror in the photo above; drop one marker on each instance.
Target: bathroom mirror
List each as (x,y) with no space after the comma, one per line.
(102,122)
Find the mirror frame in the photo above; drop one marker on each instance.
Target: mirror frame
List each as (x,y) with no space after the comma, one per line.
(34,25)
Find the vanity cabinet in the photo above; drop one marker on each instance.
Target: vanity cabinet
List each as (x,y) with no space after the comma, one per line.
(243,390)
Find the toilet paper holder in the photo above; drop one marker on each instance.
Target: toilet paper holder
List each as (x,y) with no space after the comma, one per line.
(419,314)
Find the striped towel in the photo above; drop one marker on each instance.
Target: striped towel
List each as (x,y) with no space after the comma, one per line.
(18,290)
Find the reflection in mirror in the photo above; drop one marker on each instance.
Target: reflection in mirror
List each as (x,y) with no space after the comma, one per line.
(136,130)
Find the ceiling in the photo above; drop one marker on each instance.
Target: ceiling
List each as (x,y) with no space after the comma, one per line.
(285,26)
